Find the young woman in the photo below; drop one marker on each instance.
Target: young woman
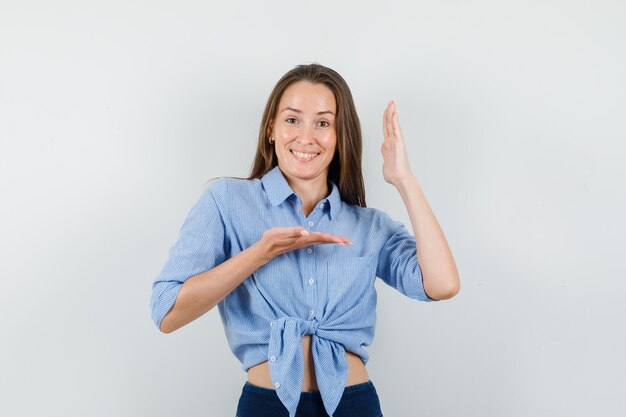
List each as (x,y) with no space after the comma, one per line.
(290,254)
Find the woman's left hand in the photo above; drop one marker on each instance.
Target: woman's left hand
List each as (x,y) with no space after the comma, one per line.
(395,160)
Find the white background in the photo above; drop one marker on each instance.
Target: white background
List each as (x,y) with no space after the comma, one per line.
(113,114)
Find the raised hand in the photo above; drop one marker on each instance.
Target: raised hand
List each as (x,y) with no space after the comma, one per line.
(395,160)
(279,240)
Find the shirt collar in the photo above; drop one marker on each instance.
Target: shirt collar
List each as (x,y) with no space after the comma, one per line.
(278,189)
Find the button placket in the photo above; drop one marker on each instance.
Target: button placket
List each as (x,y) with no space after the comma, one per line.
(310,295)
(310,265)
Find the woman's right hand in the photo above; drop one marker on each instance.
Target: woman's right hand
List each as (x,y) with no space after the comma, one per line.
(279,240)
(201,292)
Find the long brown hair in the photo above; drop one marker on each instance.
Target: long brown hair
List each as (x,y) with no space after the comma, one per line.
(345,167)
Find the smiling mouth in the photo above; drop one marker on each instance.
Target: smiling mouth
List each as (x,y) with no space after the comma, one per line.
(303,157)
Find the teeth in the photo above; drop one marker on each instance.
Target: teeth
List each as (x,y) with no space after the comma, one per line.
(304,155)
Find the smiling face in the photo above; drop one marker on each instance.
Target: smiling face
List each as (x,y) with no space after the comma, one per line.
(304,131)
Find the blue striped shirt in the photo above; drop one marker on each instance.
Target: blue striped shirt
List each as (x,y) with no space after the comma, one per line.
(324,290)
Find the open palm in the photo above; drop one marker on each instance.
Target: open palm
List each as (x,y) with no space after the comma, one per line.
(395,160)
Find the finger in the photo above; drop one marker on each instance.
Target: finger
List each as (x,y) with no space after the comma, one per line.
(298,231)
(392,119)
(324,237)
(327,237)
(333,243)
(396,125)
(291,234)
(326,242)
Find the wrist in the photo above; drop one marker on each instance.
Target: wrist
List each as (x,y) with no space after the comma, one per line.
(260,252)
(405,182)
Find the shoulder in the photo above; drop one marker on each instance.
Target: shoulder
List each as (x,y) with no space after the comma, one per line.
(215,192)
(224,189)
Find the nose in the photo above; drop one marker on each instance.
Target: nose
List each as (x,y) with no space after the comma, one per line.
(307,134)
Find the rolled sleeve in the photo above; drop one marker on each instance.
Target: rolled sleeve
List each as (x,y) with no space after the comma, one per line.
(202,244)
(398,266)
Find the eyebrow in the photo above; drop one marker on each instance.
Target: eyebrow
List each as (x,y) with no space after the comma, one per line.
(300,111)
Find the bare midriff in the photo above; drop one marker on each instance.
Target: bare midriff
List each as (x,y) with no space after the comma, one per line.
(260,374)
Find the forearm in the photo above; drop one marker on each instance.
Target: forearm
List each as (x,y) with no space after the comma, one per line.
(439,272)
(200,293)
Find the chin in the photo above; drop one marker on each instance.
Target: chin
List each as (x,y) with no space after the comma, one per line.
(304,173)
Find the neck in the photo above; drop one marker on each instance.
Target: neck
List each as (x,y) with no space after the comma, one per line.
(312,191)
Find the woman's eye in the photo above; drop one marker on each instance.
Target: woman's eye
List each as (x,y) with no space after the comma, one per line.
(327,124)
(291,118)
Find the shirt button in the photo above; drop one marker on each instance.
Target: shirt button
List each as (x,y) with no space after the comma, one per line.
(311,281)
(273,358)
(310,223)
(309,250)
(277,385)
(311,311)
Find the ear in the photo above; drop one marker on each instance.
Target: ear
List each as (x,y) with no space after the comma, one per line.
(270,128)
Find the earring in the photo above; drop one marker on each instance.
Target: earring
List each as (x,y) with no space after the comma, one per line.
(271,141)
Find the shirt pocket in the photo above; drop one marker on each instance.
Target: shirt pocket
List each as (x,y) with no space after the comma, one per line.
(350,282)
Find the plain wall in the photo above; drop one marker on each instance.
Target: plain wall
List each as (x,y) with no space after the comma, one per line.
(113,114)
